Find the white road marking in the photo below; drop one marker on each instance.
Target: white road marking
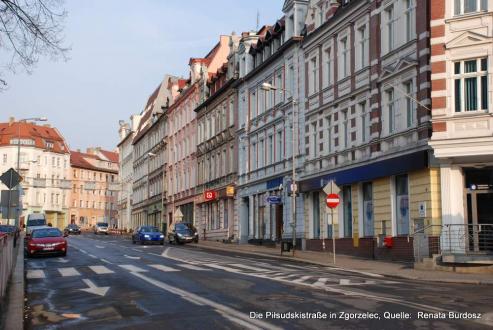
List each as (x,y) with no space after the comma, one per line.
(101,270)
(355,271)
(92,256)
(35,273)
(63,261)
(130,257)
(108,262)
(164,268)
(321,281)
(248,267)
(133,268)
(228,269)
(233,314)
(192,267)
(68,271)
(94,289)
(100,247)
(302,279)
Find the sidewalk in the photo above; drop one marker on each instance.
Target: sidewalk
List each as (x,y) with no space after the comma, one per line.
(391,269)
(14,311)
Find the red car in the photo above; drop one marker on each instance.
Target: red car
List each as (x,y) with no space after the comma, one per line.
(46,241)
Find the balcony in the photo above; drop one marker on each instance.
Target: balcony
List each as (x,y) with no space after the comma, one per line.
(39,183)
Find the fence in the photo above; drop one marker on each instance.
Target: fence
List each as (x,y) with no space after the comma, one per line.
(6,261)
(464,239)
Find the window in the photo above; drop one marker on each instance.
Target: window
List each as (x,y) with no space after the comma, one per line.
(270,153)
(365,122)
(279,149)
(410,107)
(313,141)
(328,140)
(253,105)
(362,53)
(328,68)
(280,87)
(316,214)
(344,58)
(231,112)
(368,228)
(312,85)
(345,128)
(261,153)
(4,158)
(410,21)
(253,159)
(391,110)
(471,85)
(390,19)
(291,81)
(462,7)
(402,204)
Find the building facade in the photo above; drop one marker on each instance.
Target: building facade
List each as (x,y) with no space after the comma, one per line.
(149,154)
(94,178)
(181,168)
(217,152)
(269,125)
(125,173)
(462,110)
(367,124)
(44,166)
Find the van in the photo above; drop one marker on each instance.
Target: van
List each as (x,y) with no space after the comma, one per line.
(35,221)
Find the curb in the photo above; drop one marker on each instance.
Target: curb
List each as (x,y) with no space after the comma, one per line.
(15,308)
(406,277)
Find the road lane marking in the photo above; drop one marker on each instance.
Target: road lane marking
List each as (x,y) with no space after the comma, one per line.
(100,247)
(248,267)
(133,268)
(130,257)
(192,267)
(68,271)
(35,273)
(164,268)
(243,318)
(92,256)
(106,261)
(94,289)
(101,270)
(321,281)
(354,271)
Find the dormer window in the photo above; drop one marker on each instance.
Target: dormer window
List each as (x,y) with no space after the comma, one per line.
(462,7)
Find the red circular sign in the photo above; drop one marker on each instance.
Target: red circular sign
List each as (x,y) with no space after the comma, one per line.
(210,195)
(333,200)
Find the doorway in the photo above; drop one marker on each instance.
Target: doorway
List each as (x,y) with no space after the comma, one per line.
(279,222)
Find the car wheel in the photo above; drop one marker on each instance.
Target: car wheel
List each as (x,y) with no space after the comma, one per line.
(142,242)
(64,254)
(133,241)
(162,243)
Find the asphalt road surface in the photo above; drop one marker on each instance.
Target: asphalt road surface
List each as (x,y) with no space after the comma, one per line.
(107,283)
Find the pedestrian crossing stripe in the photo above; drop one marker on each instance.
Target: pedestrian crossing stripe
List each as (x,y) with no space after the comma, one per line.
(133,268)
(164,268)
(101,270)
(35,273)
(68,271)
(192,267)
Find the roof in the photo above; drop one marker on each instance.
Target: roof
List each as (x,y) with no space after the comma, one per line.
(43,137)
(112,156)
(80,160)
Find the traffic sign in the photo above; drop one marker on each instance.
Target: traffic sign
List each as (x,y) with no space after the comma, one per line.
(333,201)
(11,178)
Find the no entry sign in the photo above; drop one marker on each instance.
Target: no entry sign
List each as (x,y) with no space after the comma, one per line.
(333,201)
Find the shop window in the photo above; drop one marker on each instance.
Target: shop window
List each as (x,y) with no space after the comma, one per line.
(348,211)
(402,204)
(368,209)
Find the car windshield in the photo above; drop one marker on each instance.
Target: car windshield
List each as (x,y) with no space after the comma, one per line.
(102,224)
(73,226)
(49,232)
(150,229)
(36,222)
(7,229)
(182,228)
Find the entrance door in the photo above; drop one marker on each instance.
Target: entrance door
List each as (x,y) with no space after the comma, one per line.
(480,220)
(279,222)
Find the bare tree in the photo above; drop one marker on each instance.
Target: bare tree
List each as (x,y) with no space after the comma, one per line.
(30,29)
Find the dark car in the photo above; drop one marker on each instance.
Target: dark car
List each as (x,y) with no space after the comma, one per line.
(46,241)
(183,233)
(72,229)
(148,234)
(10,230)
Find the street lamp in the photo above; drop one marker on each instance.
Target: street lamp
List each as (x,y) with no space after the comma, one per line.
(269,87)
(17,216)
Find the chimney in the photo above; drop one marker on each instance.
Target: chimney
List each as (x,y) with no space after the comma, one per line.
(47,125)
(11,120)
(333,6)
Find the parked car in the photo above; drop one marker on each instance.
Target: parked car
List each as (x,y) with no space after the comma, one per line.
(46,241)
(148,234)
(35,221)
(101,228)
(72,229)
(10,230)
(183,233)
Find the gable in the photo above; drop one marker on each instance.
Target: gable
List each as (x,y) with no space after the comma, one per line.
(468,39)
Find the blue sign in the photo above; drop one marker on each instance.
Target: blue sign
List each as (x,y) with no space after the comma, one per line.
(274,200)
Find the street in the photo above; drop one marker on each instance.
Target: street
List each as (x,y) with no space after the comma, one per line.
(106,282)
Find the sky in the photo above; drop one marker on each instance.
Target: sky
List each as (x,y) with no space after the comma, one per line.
(120,52)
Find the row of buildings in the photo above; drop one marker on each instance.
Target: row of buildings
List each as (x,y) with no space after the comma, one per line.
(68,186)
(390,99)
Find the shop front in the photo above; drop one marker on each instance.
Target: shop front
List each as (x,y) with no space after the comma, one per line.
(216,209)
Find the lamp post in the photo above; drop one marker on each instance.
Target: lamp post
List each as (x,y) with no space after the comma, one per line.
(269,87)
(17,215)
